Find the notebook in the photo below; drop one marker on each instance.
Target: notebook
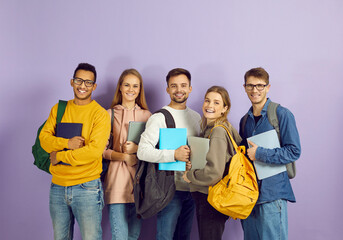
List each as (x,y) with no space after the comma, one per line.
(68,130)
(268,140)
(171,139)
(135,131)
(199,147)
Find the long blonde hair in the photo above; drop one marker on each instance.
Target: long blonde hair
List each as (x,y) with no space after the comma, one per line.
(227,103)
(140,100)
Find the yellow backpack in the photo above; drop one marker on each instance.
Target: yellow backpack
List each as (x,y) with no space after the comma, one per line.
(236,194)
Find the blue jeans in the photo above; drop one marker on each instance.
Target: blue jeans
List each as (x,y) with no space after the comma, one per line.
(124,222)
(83,202)
(267,221)
(175,220)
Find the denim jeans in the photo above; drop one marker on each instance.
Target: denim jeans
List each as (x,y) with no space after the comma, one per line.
(175,220)
(83,202)
(211,223)
(267,221)
(124,222)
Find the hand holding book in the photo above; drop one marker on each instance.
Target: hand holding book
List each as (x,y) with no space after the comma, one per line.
(76,142)
(251,151)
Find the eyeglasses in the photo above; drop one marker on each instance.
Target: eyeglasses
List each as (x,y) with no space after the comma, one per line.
(259,87)
(79,81)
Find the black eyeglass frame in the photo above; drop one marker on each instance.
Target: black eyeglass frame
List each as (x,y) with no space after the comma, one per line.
(79,81)
(259,87)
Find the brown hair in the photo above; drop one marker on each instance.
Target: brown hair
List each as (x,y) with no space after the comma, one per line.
(257,73)
(140,100)
(178,71)
(227,103)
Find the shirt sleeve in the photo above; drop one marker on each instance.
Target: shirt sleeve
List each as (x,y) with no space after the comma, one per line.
(290,142)
(47,138)
(147,150)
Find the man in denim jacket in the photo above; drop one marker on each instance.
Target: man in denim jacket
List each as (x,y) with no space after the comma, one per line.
(268,220)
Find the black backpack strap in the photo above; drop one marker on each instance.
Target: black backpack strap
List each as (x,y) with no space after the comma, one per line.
(112,120)
(272,117)
(60,110)
(110,144)
(244,121)
(170,124)
(168,117)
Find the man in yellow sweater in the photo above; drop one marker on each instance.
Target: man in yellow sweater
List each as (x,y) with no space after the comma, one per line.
(76,190)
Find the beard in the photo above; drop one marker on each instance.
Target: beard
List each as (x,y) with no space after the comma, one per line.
(179,100)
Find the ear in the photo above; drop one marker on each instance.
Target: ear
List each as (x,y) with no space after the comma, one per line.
(71,82)
(190,89)
(224,110)
(94,86)
(267,88)
(167,89)
(245,90)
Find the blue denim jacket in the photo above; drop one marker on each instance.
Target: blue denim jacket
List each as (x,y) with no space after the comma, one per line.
(278,186)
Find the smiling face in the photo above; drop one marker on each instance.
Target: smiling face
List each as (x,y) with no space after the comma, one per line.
(82,93)
(130,89)
(179,89)
(257,97)
(213,107)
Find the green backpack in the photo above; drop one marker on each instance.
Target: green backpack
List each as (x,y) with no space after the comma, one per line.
(274,121)
(42,158)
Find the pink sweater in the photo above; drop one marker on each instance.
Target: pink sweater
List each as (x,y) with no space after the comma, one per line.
(119,178)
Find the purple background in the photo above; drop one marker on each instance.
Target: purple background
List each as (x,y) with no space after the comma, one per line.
(298,42)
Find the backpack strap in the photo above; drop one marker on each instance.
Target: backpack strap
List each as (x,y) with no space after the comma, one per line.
(244,121)
(237,149)
(110,141)
(168,117)
(60,110)
(272,117)
(112,120)
(170,124)
(228,132)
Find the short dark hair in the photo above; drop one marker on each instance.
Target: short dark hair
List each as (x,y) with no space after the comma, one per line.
(86,67)
(178,71)
(257,73)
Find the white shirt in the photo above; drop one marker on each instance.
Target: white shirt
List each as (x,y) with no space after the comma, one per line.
(186,118)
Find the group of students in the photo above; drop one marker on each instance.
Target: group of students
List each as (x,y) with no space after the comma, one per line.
(76,191)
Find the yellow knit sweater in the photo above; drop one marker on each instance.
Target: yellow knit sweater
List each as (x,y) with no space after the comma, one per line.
(85,162)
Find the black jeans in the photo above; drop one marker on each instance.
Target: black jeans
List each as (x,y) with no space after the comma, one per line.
(211,223)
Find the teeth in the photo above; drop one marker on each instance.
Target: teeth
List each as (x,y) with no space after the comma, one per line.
(209,111)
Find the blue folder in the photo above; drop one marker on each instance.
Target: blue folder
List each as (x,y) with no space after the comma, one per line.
(268,140)
(171,139)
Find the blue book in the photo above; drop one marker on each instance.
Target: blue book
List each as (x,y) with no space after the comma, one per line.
(268,140)
(68,130)
(171,139)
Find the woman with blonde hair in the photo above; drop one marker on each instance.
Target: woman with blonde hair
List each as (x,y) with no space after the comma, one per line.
(129,104)
(216,107)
